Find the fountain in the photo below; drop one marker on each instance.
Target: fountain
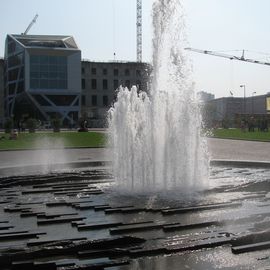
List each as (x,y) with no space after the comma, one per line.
(155,136)
(76,219)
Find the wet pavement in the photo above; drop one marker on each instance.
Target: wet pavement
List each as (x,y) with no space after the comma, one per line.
(78,219)
(52,217)
(218,148)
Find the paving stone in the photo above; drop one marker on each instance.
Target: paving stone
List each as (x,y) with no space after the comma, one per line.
(67,203)
(191,226)
(19,236)
(98,226)
(147,252)
(98,253)
(30,203)
(31,214)
(102,207)
(59,220)
(16,209)
(96,266)
(82,201)
(42,242)
(251,247)
(139,227)
(252,238)
(72,193)
(90,206)
(65,248)
(208,243)
(76,223)
(13,232)
(117,209)
(6,227)
(50,216)
(36,191)
(33,265)
(57,203)
(199,208)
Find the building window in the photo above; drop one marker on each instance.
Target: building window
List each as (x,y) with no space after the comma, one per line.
(94,84)
(115,72)
(115,84)
(48,72)
(83,70)
(94,71)
(138,84)
(94,100)
(138,73)
(83,83)
(83,100)
(127,72)
(105,84)
(127,83)
(105,101)
(105,72)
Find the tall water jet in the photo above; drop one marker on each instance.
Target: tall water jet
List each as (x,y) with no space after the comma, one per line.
(155,137)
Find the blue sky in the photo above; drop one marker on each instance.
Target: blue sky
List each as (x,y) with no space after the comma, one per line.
(102,27)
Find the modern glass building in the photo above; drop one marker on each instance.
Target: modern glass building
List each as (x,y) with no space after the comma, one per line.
(42,78)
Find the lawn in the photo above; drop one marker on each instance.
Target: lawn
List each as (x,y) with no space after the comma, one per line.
(239,134)
(53,140)
(96,139)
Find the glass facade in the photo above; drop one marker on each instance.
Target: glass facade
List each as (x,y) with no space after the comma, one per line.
(14,73)
(48,72)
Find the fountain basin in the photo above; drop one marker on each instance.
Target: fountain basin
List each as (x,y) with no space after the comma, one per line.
(82,211)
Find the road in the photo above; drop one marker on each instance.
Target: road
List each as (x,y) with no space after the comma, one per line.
(218,148)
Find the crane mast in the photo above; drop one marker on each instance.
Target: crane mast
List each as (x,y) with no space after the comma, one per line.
(139,30)
(30,25)
(231,57)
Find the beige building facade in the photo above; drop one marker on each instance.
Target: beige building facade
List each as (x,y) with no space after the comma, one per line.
(100,81)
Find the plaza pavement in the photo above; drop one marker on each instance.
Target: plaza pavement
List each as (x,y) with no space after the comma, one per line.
(221,149)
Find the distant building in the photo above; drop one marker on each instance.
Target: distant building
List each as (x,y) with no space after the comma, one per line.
(1,92)
(42,78)
(45,79)
(204,96)
(230,111)
(100,81)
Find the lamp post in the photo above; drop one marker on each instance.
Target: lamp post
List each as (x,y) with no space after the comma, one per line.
(253,102)
(244,87)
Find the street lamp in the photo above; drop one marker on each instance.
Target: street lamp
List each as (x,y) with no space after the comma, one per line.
(243,86)
(253,102)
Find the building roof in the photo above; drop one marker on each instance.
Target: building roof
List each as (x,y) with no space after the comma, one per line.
(46,41)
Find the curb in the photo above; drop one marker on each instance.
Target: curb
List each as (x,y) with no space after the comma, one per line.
(239,139)
(240,163)
(46,168)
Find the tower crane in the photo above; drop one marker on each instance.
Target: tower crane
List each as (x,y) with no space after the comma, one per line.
(30,25)
(139,30)
(231,57)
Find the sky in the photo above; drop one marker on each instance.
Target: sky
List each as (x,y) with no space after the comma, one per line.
(104,27)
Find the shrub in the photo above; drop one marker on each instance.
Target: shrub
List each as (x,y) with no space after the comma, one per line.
(8,125)
(31,124)
(56,124)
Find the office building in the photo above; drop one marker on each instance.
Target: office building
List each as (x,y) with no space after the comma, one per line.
(100,81)
(42,78)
